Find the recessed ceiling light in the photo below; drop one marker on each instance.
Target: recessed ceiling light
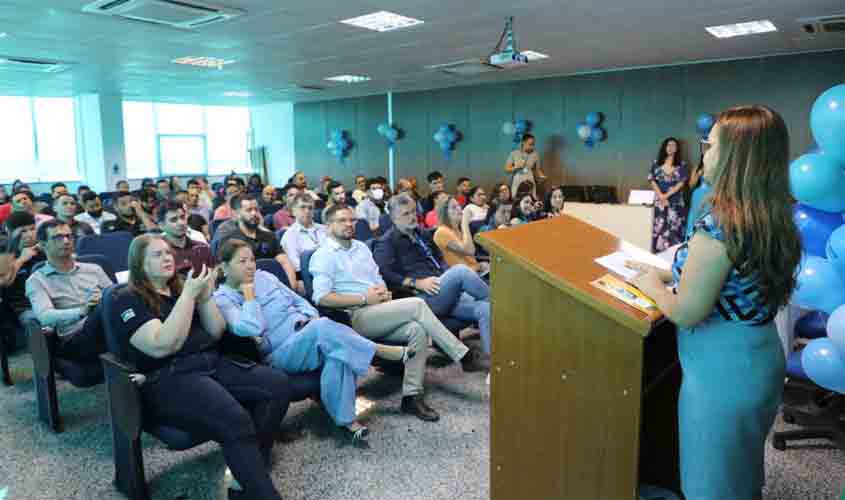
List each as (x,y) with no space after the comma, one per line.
(741,29)
(3,35)
(349,78)
(533,55)
(237,93)
(202,61)
(382,21)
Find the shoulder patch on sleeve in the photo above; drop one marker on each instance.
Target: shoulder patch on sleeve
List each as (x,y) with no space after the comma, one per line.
(127,315)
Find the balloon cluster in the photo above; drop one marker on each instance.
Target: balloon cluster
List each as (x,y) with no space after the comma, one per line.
(446,137)
(589,130)
(390,133)
(817,180)
(516,129)
(339,145)
(704,123)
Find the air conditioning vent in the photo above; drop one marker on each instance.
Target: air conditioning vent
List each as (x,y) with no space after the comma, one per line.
(27,65)
(468,67)
(173,13)
(823,24)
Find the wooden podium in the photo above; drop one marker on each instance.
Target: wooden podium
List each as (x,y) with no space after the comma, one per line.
(584,387)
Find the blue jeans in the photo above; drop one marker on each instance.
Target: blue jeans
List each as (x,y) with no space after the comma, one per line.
(463,295)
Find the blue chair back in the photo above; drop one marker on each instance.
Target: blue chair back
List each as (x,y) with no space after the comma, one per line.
(385,223)
(100,260)
(273,267)
(362,230)
(114,246)
(110,318)
(307,277)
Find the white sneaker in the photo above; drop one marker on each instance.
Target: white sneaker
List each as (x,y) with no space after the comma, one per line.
(488,378)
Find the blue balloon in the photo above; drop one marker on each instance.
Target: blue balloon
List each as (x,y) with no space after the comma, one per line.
(835,250)
(824,364)
(445,147)
(836,329)
(818,181)
(382,128)
(440,136)
(445,128)
(392,134)
(521,126)
(597,134)
(593,118)
(812,325)
(815,227)
(451,137)
(827,121)
(704,123)
(337,135)
(819,285)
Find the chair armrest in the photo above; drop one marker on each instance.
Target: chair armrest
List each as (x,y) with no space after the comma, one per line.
(42,346)
(124,395)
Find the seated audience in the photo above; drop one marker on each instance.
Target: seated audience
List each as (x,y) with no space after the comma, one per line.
(94,215)
(255,185)
(304,234)
(453,236)
(149,203)
(283,217)
(163,190)
(65,295)
(524,210)
(25,254)
(224,211)
(24,201)
(81,191)
(58,189)
(195,207)
(501,193)
(436,184)
(430,220)
(498,217)
(554,202)
(270,203)
(372,207)
(292,337)
(337,197)
(462,188)
(171,330)
(121,186)
(187,253)
(408,258)
(298,179)
(64,206)
(264,243)
(4,195)
(346,277)
(477,206)
(360,193)
(130,217)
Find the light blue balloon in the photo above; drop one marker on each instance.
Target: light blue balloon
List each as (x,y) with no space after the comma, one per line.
(597,134)
(445,147)
(445,128)
(824,364)
(440,136)
(819,285)
(584,131)
(815,228)
(382,128)
(337,135)
(704,123)
(835,250)
(818,181)
(836,329)
(521,126)
(593,118)
(451,137)
(392,134)
(827,121)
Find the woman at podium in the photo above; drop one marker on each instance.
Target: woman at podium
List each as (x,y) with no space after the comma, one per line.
(730,277)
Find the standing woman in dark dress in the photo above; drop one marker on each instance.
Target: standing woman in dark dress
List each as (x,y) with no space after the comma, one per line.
(171,336)
(668,177)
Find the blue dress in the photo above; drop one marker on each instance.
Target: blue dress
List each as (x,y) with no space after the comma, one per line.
(733,369)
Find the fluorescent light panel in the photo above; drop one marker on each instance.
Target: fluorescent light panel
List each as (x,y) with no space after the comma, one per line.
(742,29)
(382,21)
(237,93)
(203,61)
(534,55)
(349,78)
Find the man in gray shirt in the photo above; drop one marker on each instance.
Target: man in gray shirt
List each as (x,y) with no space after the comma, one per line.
(65,295)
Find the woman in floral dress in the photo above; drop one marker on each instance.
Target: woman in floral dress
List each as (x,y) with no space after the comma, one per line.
(668,177)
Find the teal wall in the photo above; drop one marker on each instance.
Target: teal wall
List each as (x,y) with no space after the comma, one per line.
(641,107)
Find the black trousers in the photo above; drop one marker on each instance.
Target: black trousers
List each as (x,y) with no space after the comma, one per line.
(237,404)
(86,345)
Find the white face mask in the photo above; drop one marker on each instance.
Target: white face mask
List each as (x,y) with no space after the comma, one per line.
(378,194)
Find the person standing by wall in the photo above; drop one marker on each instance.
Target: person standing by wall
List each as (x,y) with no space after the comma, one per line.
(668,177)
(524,165)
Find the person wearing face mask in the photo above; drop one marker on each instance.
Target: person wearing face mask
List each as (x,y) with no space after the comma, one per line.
(524,165)
(373,207)
(264,243)
(94,215)
(65,208)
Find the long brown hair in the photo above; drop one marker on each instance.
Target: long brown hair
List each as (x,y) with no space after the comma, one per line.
(442,211)
(139,282)
(751,199)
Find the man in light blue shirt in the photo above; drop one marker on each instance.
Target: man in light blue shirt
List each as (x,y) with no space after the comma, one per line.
(304,234)
(347,277)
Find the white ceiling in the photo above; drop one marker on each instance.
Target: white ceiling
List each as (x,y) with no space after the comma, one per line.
(280,43)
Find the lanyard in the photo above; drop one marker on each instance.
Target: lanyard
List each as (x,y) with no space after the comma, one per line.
(426,251)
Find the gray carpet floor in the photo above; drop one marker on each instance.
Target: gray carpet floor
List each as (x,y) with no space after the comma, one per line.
(407,459)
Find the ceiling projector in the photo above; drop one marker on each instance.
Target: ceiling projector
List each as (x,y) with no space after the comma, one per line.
(506,54)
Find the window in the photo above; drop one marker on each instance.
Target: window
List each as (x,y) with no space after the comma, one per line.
(38,139)
(185,139)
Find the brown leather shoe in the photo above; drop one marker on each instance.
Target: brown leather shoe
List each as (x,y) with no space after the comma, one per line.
(415,405)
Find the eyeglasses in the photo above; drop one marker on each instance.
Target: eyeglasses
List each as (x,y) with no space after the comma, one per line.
(60,237)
